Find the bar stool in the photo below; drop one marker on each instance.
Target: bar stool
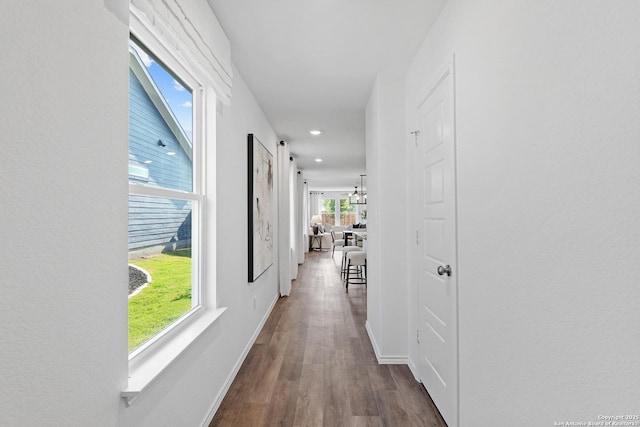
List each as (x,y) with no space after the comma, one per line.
(356,271)
(346,250)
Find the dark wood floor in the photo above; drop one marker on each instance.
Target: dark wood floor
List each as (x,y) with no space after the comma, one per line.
(313,364)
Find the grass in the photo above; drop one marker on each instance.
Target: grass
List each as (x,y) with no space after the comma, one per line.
(164,300)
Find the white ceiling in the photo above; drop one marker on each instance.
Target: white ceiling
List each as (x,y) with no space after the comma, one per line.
(311,65)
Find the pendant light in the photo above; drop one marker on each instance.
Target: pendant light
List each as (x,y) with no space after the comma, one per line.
(359,198)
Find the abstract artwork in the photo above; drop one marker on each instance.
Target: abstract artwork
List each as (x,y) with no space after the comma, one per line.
(260,208)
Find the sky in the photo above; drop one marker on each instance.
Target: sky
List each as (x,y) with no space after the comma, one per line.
(178,96)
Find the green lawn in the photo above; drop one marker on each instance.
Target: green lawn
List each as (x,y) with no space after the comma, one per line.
(164,300)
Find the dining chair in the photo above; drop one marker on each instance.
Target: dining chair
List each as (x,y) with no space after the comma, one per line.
(335,242)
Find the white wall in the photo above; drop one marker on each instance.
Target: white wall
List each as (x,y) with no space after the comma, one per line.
(547,107)
(284,219)
(386,210)
(63,310)
(374,241)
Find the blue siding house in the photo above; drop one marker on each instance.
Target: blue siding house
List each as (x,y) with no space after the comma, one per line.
(160,154)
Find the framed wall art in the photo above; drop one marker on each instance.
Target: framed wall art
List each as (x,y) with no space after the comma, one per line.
(260,208)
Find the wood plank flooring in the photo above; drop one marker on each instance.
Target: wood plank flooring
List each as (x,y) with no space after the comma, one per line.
(313,364)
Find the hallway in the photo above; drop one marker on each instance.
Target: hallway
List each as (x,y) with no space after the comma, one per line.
(313,364)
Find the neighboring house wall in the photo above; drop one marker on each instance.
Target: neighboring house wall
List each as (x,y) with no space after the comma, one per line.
(156,224)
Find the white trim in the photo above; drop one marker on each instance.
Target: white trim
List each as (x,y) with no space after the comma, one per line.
(148,366)
(384,360)
(139,189)
(205,184)
(232,376)
(413,369)
(454,136)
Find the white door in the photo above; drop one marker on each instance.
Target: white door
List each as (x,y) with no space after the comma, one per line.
(436,237)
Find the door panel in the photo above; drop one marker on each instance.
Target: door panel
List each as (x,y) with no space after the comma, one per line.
(434,119)
(433,184)
(437,294)
(434,228)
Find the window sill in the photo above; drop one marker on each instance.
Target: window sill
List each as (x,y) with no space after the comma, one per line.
(145,368)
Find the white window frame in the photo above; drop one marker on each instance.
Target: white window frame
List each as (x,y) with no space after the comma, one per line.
(152,358)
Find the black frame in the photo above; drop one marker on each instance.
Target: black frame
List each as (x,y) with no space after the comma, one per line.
(252,142)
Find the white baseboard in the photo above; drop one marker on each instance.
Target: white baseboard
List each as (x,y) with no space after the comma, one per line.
(386,359)
(413,369)
(236,368)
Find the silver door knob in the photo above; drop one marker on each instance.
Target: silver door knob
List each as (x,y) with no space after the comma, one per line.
(444,270)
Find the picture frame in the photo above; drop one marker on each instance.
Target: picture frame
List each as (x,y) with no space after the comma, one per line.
(260,208)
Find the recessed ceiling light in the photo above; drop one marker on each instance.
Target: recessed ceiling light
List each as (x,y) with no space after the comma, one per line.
(148,162)
(318,160)
(171,153)
(315,132)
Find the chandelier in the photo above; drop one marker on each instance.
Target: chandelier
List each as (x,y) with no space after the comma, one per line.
(359,198)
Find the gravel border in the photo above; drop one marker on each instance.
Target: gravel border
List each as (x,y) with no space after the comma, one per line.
(139,278)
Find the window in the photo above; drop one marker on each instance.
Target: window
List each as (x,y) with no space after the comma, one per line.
(165,198)
(329,211)
(347,213)
(176,81)
(338,212)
